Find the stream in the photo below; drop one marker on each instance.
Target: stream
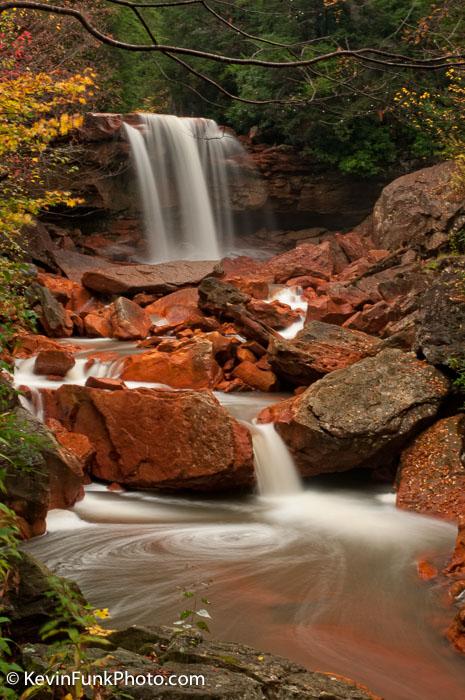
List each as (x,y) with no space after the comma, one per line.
(324,575)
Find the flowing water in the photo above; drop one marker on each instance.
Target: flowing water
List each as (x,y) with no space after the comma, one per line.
(323,575)
(185,169)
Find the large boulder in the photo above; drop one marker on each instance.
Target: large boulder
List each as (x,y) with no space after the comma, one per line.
(128,320)
(441,323)
(319,348)
(431,477)
(419,209)
(362,415)
(150,438)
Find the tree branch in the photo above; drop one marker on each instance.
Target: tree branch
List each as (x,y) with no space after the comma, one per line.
(384,58)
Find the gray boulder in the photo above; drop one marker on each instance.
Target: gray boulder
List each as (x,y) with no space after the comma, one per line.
(360,416)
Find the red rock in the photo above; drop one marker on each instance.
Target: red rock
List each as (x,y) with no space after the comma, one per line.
(245,355)
(257,287)
(188,364)
(131,279)
(431,476)
(306,259)
(105,383)
(426,571)
(56,362)
(372,319)
(353,245)
(325,309)
(128,320)
(362,266)
(346,294)
(230,385)
(115,488)
(307,281)
(150,438)
(242,266)
(28,345)
(250,374)
(179,307)
(98,324)
(76,443)
(274,314)
(71,294)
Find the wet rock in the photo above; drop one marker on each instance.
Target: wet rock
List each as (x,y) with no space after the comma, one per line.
(105,383)
(97,324)
(149,438)
(31,344)
(274,314)
(71,294)
(55,362)
(431,478)
(179,307)
(253,376)
(187,364)
(373,319)
(418,209)
(362,415)
(128,320)
(441,322)
(363,267)
(319,348)
(162,278)
(53,478)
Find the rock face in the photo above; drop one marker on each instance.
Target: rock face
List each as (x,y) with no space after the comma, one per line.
(418,210)
(441,324)
(431,477)
(319,348)
(151,438)
(360,416)
(129,321)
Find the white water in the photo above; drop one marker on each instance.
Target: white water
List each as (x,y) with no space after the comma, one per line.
(275,469)
(292,296)
(323,575)
(183,168)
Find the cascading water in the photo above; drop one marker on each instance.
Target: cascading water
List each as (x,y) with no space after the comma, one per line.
(275,468)
(184,176)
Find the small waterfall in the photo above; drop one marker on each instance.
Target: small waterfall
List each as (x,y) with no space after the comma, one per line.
(184,181)
(276,472)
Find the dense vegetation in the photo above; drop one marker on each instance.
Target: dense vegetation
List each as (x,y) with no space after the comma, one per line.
(359,118)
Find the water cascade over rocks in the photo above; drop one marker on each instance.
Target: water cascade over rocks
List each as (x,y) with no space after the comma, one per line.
(184,181)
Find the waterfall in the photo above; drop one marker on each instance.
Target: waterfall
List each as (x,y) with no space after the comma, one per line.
(276,472)
(184,182)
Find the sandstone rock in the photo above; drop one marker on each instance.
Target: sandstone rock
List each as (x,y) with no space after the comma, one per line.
(178,307)
(97,324)
(187,364)
(274,314)
(71,294)
(319,348)
(105,383)
(128,320)
(353,245)
(362,415)
(441,322)
(29,344)
(306,259)
(431,478)
(328,310)
(363,266)
(56,362)
(152,438)
(256,287)
(249,373)
(161,278)
(414,208)
(373,318)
